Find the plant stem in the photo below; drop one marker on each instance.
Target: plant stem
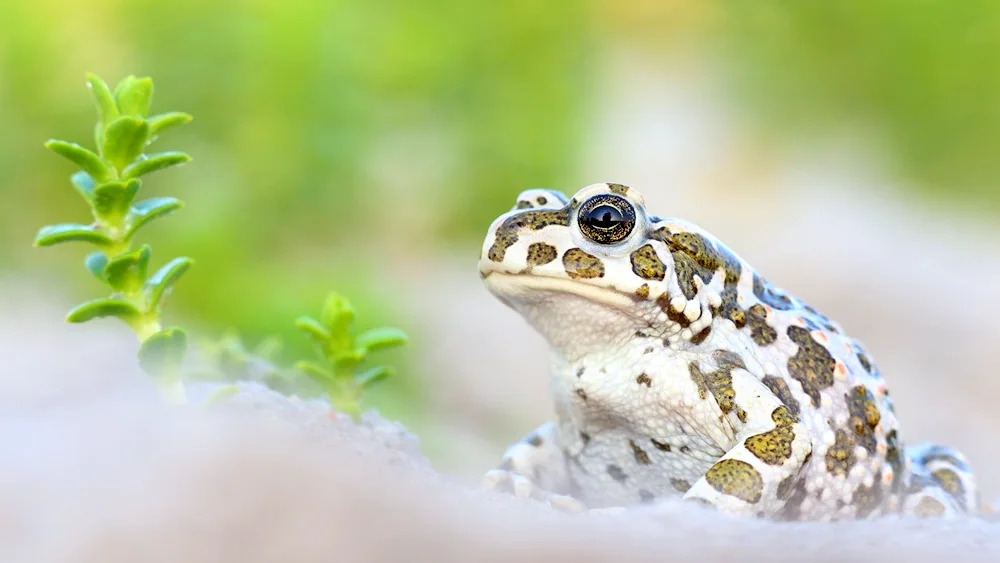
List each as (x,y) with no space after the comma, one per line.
(147,327)
(118,247)
(171,388)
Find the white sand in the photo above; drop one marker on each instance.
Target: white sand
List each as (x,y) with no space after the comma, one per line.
(94,469)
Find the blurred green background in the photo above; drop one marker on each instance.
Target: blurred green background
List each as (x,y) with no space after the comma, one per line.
(337,141)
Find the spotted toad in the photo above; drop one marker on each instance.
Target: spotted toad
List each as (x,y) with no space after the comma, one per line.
(679,371)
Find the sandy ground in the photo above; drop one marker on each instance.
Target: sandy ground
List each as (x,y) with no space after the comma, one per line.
(95,469)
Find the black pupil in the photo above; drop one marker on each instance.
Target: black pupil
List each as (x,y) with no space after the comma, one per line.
(603,217)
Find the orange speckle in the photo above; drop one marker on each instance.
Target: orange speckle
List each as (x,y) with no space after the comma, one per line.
(820,336)
(841,369)
(888,477)
(333,415)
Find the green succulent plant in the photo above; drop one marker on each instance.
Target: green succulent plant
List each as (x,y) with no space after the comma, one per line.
(109,181)
(341,354)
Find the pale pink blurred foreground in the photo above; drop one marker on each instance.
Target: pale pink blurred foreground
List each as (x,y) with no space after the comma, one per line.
(95,469)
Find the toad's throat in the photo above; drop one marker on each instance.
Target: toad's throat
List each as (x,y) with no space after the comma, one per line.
(576,318)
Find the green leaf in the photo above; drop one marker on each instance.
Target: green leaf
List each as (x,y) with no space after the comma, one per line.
(112,201)
(315,372)
(148,209)
(127,272)
(84,184)
(373,375)
(162,353)
(135,97)
(107,111)
(90,162)
(338,314)
(312,327)
(349,359)
(163,280)
(381,338)
(227,355)
(98,135)
(104,307)
(55,234)
(95,263)
(268,348)
(124,140)
(123,84)
(155,162)
(164,121)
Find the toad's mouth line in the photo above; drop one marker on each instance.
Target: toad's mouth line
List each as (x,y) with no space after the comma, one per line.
(532,295)
(521,286)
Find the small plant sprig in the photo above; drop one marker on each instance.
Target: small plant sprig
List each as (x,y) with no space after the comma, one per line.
(341,354)
(109,181)
(337,372)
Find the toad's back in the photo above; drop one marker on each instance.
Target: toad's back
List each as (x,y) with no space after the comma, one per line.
(678,370)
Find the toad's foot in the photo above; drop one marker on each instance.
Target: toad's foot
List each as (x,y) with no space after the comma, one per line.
(941,483)
(535,467)
(521,486)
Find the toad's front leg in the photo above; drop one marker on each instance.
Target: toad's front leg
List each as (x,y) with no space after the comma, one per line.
(757,475)
(535,467)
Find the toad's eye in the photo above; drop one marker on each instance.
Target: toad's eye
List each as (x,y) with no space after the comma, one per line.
(607,219)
